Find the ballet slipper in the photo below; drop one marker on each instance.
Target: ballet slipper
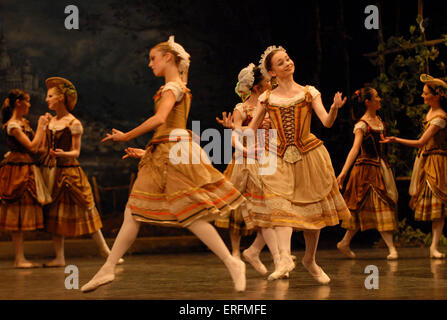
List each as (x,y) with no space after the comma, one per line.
(237,272)
(345,250)
(321,277)
(435,254)
(255,262)
(285,266)
(100,279)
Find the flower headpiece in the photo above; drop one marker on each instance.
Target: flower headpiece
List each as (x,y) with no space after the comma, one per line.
(184,56)
(439,85)
(246,79)
(267,51)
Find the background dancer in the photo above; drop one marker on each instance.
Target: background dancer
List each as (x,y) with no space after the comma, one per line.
(72,212)
(22,192)
(371,193)
(428,186)
(244,176)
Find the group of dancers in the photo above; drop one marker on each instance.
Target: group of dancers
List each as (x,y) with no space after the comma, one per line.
(43,186)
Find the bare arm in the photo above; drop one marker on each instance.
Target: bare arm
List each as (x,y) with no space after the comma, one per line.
(31,145)
(166,104)
(258,117)
(328,118)
(351,157)
(419,143)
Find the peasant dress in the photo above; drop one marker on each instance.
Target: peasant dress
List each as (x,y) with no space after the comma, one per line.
(176,183)
(72,211)
(22,190)
(243,174)
(428,187)
(371,193)
(299,186)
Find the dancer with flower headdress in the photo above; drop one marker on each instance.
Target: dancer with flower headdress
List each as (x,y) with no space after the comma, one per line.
(428,186)
(371,192)
(22,191)
(301,192)
(243,174)
(72,211)
(187,192)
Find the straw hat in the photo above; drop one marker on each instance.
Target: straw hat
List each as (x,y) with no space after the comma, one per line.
(69,90)
(438,84)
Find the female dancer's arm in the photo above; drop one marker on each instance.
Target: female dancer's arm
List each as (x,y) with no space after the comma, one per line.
(258,117)
(328,118)
(351,157)
(31,145)
(419,143)
(166,104)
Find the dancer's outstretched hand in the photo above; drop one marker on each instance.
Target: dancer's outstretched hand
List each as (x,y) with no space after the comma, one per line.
(227,120)
(338,101)
(388,139)
(116,135)
(135,153)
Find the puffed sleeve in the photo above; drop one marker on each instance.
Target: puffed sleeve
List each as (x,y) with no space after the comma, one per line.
(12,125)
(263,97)
(314,92)
(240,107)
(362,126)
(176,89)
(438,122)
(76,127)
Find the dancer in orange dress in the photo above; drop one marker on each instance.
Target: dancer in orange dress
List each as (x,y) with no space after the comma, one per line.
(22,191)
(301,191)
(371,192)
(428,187)
(176,185)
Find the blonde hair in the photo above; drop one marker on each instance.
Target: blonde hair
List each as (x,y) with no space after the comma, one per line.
(165,48)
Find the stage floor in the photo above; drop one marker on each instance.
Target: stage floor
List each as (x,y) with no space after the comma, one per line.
(201,276)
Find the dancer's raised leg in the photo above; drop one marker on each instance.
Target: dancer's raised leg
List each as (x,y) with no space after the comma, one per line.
(209,236)
(311,238)
(126,237)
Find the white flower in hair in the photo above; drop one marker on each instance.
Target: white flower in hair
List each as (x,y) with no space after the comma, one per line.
(184,56)
(246,78)
(267,51)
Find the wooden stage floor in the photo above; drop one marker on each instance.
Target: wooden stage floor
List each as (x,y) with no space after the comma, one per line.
(201,276)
